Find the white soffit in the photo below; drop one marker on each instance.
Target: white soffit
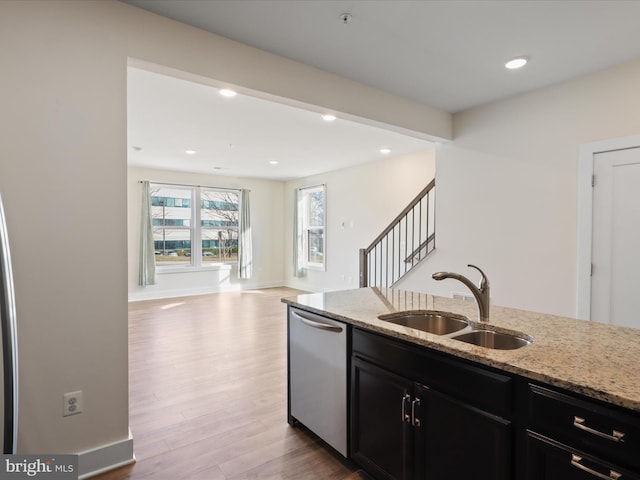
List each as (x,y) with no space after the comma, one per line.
(243,135)
(446,54)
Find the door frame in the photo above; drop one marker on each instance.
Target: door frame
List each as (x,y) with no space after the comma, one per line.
(585,214)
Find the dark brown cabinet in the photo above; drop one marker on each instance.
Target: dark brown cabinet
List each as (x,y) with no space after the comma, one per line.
(458,441)
(381,438)
(404,428)
(571,437)
(551,460)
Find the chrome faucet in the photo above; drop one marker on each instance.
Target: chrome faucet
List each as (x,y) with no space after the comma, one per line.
(481,292)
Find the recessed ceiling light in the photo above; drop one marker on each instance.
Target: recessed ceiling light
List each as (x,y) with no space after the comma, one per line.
(273,162)
(190,152)
(328,117)
(516,63)
(385,150)
(226,92)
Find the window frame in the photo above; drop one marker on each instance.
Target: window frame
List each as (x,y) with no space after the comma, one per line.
(196,229)
(307,229)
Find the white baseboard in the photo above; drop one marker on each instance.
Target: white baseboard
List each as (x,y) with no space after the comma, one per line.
(156,295)
(306,286)
(108,457)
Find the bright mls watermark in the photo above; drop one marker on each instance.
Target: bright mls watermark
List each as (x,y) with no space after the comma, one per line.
(51,467)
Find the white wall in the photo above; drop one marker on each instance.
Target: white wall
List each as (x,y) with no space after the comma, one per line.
(507,188)
(62,176)
(63,171)
(267,219)
(366,198)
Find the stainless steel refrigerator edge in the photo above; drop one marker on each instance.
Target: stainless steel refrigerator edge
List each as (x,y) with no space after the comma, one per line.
(9,357)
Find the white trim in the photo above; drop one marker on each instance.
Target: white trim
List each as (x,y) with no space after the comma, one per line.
(189,292)
(108,457)
(183,268)
(192,185)
(306,228)
(311,288)
(585,213)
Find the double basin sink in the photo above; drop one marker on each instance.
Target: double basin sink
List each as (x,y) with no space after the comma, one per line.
(449,324)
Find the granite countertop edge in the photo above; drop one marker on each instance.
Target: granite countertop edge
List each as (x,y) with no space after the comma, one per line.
(575,355)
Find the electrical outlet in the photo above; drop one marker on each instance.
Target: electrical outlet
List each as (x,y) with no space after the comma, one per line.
(72,403)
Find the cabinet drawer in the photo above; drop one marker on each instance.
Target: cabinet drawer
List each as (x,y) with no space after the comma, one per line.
(551,460)
(485,389)
(603,431)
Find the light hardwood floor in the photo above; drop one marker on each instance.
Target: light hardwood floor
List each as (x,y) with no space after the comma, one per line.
(208,393)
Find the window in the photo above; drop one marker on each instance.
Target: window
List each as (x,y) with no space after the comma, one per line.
(311,213)
(219,225)
(195,237)
(171,217)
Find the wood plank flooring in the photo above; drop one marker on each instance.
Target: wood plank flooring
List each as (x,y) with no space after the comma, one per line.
(208,393)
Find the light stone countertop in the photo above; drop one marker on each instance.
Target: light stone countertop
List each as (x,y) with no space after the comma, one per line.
(598,360)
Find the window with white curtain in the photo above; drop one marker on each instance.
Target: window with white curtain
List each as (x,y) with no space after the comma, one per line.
(194,226)
(312,218)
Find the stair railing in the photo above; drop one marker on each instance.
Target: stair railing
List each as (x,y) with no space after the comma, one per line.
(403,244)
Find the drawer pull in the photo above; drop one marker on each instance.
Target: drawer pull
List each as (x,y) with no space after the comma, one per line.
(617,436)
(415,421)
(575,461)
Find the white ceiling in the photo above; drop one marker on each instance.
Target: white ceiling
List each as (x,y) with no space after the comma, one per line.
(239,136)
(446,54)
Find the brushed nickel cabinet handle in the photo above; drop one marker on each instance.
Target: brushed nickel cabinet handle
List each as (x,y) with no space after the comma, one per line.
(405,416)
(613,475)
(617,436)
(415,421)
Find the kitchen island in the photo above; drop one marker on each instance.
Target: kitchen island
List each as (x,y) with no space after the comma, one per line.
(521,398)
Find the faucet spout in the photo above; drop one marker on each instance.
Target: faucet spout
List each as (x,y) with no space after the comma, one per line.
(481,292)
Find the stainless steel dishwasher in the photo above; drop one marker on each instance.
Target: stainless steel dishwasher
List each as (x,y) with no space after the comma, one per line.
(318,376)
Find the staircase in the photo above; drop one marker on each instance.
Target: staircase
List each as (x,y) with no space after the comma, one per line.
(408,240)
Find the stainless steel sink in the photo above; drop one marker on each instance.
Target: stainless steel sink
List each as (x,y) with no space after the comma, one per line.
(495,340)
(431,321)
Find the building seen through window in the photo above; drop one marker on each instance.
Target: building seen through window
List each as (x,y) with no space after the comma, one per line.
(200,236)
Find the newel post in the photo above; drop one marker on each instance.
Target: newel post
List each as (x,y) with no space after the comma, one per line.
(364,274)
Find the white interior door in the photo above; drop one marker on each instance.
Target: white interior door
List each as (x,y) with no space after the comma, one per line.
(616,238)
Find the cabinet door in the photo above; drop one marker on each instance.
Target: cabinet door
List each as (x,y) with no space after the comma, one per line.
(381,438)
(550,460)
(455,441)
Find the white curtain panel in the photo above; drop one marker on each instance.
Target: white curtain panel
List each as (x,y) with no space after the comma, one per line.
(147,267)
(298,269)
(245,253)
